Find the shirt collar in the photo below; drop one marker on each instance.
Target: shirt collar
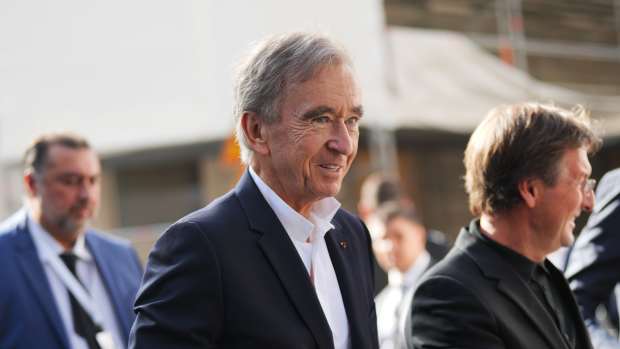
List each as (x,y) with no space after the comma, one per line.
(524,266)
(417,269)
(409,278)
(296,225)
(80,249)
(45,243)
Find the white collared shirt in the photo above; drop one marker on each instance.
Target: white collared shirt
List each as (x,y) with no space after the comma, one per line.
(412,276)
(314,254)
(393,302)
(88,274)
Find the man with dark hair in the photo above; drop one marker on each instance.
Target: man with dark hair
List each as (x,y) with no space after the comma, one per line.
(275,263)
(527,176)
(63,285)
(407,259)
(381,193)
(377,190)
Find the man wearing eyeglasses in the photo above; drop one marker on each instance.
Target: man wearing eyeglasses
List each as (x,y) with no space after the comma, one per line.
(592,268)
(527,176)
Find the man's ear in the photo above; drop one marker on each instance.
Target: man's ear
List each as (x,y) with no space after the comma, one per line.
(30,183)
(254,129)
(531,191)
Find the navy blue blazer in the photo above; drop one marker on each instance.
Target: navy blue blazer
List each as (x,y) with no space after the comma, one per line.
(29,317)
(593,264)
(228,276)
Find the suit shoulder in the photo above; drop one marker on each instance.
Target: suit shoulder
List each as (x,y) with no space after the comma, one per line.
(608,189)
(222,214)
(5,234)
(445,309)
(458,266)
(108,239)
(611,176)
(350,220)
(220,208)
(10,224)
(9,229)
(5,242)
(456,282)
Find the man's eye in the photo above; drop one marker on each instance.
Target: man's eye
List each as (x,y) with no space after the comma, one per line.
(70,180)
(321,120)
(93,180)
(353,121)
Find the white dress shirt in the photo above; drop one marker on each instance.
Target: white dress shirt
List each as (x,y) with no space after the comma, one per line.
(394,300)
(88,274)
(308,236)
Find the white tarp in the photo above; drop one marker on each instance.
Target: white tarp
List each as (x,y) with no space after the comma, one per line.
(442,80)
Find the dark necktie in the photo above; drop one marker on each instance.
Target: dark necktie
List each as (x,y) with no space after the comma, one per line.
(83,324)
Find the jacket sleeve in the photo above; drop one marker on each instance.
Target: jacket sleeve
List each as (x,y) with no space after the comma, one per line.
(446,314)
(592,268)
(179,304)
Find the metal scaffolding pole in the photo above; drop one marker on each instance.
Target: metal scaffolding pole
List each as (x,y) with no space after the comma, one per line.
(617,22)
(382,150)
(511,34)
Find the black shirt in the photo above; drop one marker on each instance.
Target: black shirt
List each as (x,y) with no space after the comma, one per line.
(540,281)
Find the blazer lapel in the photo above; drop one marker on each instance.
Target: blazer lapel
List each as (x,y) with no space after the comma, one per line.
(32,269)
(512,286)
(516,289)
(282,255)
(105,266)
(580,328)
(340,254)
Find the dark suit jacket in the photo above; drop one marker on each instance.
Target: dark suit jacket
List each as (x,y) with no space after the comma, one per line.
(228,276)
(593,267)
(474,299)
(29,317)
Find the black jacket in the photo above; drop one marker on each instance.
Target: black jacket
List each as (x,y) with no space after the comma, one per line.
(474,298)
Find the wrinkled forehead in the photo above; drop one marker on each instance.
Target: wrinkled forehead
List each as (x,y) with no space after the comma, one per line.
(329,72)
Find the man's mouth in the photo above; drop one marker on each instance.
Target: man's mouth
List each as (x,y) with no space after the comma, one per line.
(331,167)
(81,211)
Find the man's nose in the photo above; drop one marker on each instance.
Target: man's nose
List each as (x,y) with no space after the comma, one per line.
(86,189)
(342,139)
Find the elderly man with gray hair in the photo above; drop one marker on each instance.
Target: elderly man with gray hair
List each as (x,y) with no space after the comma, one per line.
(274,263)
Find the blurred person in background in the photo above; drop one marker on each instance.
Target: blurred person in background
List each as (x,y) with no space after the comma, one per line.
(274,263)
(62,284)
(593,268)
(528,178)
(380,190)
(405,240)
(376,190)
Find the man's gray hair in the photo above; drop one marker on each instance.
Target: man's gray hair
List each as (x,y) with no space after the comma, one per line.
(275,65)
